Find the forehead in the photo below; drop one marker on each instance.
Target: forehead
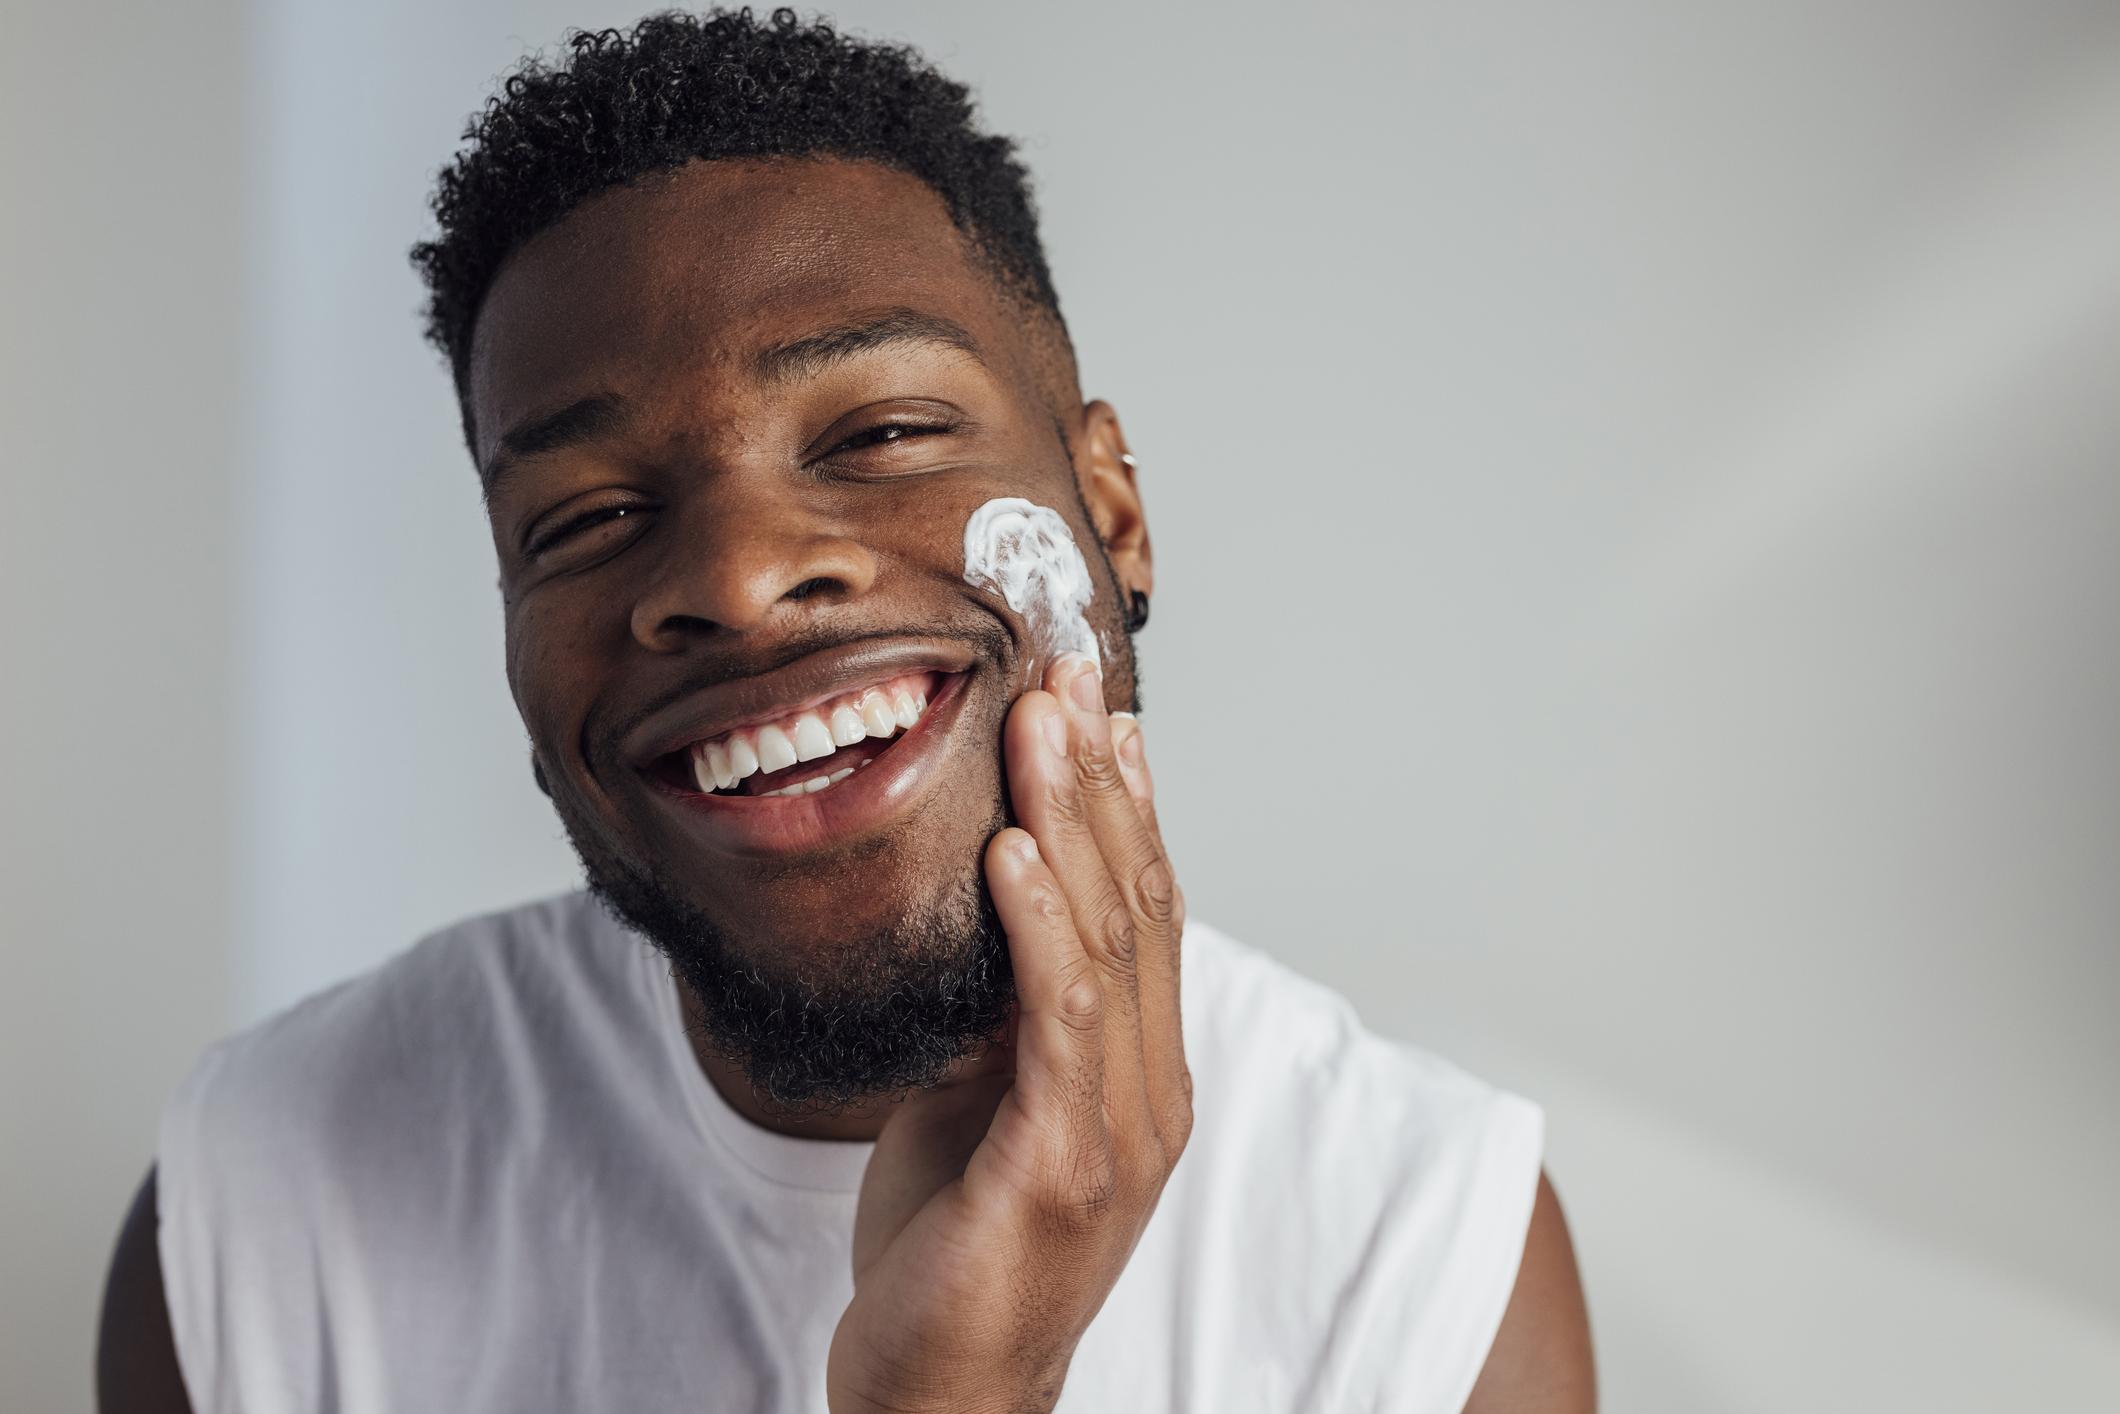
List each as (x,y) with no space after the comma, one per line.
(694,270)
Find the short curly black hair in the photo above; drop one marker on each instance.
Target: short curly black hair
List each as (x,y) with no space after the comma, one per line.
(626,103)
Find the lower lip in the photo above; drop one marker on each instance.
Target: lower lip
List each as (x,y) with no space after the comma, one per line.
(858,805)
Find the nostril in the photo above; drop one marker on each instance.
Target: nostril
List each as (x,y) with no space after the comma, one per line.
(808,587)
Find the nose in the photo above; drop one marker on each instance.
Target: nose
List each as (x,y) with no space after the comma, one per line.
(739,558)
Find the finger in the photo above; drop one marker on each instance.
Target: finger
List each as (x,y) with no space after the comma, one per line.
(1122,811)
(1135,863)
(1062,1155)
(1132,849)
(1130,746)
(1159,969)
(1046,769)
(1133,767)
(927,1140)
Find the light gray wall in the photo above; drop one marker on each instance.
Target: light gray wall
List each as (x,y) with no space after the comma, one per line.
(122,289)
(1655,466)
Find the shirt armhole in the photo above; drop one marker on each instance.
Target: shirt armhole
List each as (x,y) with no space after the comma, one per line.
(1501,1190)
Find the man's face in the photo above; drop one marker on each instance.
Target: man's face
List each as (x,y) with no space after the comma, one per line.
(733,423)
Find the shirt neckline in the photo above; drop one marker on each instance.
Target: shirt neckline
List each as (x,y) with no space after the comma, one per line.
(783,1160)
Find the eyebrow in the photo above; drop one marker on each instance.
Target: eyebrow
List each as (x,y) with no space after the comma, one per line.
(581,421)
(813,353)
(804,357)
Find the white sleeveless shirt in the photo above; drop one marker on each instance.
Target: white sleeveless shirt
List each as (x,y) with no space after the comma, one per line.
(491,1176)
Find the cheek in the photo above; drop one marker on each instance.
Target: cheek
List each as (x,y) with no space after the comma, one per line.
(542,671)
(1026,554)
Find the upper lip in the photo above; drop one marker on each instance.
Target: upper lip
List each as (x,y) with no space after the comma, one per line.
(766,697)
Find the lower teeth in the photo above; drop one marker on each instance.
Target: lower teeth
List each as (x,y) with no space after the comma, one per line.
(815,783)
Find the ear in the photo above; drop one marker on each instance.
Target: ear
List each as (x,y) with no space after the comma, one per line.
(1105,470)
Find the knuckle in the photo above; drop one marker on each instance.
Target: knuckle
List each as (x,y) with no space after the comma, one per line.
(1079,1185)
(1092,1189)
(1081,1002)
(1117,935)
(1156,892)
(1048,904)
(1099,769)
(1069,810)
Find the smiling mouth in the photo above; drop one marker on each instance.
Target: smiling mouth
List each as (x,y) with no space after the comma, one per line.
(805,752)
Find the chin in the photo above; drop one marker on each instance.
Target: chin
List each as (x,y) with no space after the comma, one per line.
(823,917)
(830,984)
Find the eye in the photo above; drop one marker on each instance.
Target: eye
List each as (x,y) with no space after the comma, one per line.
(883,434)
(576,526)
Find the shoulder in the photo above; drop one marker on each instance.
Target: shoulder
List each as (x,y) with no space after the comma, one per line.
(1405,1191)
(441,1046)
(336,1133)
(406,1024)
(421,1049)
(1264,1029)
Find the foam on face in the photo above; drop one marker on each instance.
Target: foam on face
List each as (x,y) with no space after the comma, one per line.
(1027,555)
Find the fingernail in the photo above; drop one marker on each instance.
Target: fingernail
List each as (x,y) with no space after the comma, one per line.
(1088,689)
(1056,734)
(1025,848)
(1126,733)
(1063,664)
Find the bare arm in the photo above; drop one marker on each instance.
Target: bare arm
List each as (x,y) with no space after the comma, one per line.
(136,1356)
(1541,1361)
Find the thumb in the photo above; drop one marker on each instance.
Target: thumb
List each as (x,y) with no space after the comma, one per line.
(923,1148)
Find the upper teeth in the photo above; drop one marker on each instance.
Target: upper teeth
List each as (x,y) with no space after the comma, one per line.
(880,711)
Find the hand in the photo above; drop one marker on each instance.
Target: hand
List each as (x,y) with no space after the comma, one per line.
(999,1210)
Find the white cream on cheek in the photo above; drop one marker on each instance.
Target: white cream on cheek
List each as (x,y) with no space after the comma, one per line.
(1026,554)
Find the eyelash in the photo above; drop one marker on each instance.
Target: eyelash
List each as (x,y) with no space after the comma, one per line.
(908,429)
(578,524)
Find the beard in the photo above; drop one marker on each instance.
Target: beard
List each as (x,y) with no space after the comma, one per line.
(853,1018)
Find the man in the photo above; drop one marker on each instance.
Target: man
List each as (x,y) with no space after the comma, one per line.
(872,1084)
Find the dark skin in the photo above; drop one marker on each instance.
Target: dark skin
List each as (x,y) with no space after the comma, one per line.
(729,514)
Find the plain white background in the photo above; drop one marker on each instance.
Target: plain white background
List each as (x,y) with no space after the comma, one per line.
(1636,490)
